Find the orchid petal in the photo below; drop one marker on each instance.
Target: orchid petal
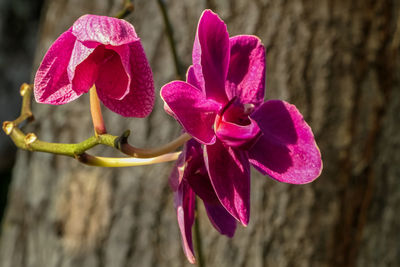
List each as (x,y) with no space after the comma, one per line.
(197,177)
(99,66)
(229,171)
(104,30)
(246,76)
(185,207)
(139,101)
(287,150)
(191,77)
(211,55)
(112,79)
(221,219)
(176,176)
(189,105)
(83,66)
(52,85)
(196,173)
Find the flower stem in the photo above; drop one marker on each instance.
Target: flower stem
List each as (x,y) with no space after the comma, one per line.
(124,162)
(153,152)
(197,238)
(32,143)
(95,110)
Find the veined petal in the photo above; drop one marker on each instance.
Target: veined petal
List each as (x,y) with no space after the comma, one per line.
(185,206)
(191,108)
(102,66)
(196,172)
(112,79)
(246,76)
(287,150)
(222,220)
(139,101)
(211,55)
(52,85)
(229,172)
(176,176)
(84,64)
(104,30)
(124,52)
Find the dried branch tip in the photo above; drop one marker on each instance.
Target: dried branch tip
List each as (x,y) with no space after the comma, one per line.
(8,126)
(129,6)
(29,139)
(24,88)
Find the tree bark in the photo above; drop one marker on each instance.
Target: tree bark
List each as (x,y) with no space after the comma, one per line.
(337,61)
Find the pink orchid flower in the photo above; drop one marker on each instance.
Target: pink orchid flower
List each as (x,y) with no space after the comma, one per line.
(222,107)
(101,51)
(188,178)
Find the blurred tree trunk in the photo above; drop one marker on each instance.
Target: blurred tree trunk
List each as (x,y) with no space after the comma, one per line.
(19,21)
(337,61)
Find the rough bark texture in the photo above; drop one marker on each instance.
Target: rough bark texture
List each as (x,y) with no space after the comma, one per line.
(336,60)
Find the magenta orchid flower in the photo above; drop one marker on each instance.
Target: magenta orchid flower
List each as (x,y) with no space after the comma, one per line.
(101,51)
(222,107)
(189,177)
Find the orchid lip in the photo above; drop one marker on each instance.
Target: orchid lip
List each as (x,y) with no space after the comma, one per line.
(233,133)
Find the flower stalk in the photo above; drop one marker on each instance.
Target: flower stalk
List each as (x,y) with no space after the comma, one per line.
(152,152)
(95,111)
(138,156)
(124,162)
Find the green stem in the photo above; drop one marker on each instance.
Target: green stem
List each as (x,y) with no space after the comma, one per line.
(124,162)
(197,238)
(30,142)
(154,152)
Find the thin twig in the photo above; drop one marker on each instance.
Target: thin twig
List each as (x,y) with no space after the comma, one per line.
(170,34)
(26,113)
(126,10)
